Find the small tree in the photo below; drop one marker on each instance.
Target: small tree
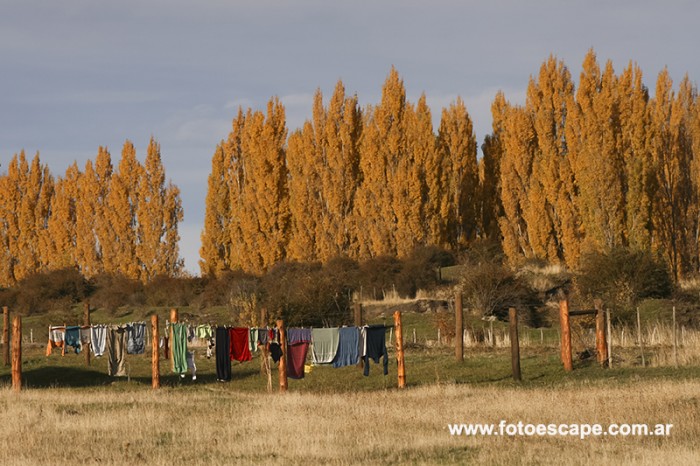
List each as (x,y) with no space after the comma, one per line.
(622,277)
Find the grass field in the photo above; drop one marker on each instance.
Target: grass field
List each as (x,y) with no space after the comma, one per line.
(72,413)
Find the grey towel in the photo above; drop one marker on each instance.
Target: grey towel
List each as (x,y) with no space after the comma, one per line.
(325,344)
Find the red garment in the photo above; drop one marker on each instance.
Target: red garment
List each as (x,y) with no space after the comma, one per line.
(240,351)
(296,357)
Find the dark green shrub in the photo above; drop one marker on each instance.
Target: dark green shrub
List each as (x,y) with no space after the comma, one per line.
(622,277)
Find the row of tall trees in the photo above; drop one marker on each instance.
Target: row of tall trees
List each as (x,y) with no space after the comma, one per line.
(99,220)
(351,181)
(599,167)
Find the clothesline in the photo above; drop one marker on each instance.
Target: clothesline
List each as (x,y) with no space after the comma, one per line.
(338,346)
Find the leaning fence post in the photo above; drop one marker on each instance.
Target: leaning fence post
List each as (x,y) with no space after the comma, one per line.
(459,328)
(601,345)
(399,350)
(17,353)
(6,334)
(514,343)
(283,359)
(566,357)
(155,354)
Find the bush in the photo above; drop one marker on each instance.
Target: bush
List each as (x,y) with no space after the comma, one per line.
(47,291)
(169,291)
(307,294)
(420,269)
(112,291)
(623,277)
(490,288)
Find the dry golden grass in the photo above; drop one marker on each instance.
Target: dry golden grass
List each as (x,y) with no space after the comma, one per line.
(215,425)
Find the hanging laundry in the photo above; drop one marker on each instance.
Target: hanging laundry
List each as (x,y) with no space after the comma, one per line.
(98,336)
(240,350)
(115,347)
(223,358)
(190,333)
(376,347)
(56,339)
(263,336)
(253,340)
(72,338)
(179,344)
(135,338)
(298,335)
(204,332)
(296,358)
(325,344)
(348,347)
(275,351)
(191,366)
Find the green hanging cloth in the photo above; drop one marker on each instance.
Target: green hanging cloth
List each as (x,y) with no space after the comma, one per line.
(179,348)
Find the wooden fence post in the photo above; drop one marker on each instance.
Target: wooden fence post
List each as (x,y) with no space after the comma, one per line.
(86,323)
(283,359)
(357,308)
(608,324)
(173,320)
(155,354)
(601,346)
(6,334)
(459,328)
(514,343)
(639,337)
(675,339)
(566,357)
(399,350)
(17,353)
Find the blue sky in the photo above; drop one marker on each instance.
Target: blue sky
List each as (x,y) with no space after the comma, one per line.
(77,74)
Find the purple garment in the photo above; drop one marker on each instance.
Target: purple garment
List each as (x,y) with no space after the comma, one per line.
(298,335)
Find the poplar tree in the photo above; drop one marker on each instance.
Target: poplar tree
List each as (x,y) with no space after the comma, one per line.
(519,146)
(671,156)
(10,197)
(216,236)
(61,231)
(554,222)
(339,175)
(305,155)
(594,139)
(490,171)
(157,210)
(383,146)
(86,219)
(263,201)
(121,207)
(635,149)
(457,144)
(415,191)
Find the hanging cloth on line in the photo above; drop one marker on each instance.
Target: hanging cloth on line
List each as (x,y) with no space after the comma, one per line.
(348,347)
(56,339)
(296,357)
(325,344)
(98,338)
(179,348)
(136,338)
(115,347)
(72,338)
(376,347)
(223,358)
(240,350)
